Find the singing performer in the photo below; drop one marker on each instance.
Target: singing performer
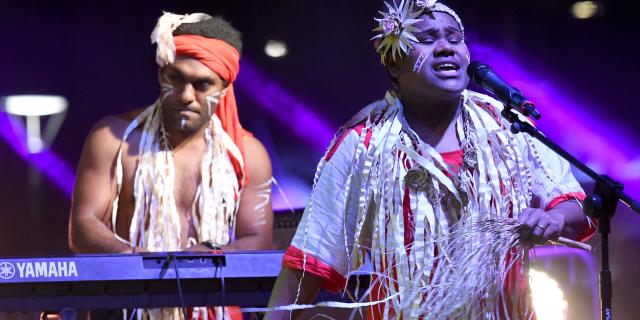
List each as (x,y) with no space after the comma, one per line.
(430,185)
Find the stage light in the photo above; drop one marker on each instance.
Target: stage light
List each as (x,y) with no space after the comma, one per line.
(33,107)
(548,299)
(275,49)
(633,169)
(586,9)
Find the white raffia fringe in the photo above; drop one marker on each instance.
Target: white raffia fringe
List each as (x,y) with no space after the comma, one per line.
(467,280)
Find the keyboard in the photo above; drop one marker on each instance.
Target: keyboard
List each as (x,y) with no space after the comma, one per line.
(147,280)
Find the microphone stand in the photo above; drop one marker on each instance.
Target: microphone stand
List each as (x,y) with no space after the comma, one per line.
(601,205)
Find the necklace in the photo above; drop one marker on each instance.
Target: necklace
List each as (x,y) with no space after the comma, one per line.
(419,179)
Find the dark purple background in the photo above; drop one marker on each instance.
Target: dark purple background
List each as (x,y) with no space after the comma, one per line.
(98,55)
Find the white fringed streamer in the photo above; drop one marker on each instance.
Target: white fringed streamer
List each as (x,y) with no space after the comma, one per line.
(494,177)
(220,190)
(156,221)
(119,171)
(474,276)
(154,191)
(163,34)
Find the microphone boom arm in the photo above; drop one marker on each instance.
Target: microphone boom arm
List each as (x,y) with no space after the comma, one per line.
(601,205)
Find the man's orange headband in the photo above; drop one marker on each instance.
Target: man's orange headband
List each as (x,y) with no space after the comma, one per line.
(218,55)
(224,60)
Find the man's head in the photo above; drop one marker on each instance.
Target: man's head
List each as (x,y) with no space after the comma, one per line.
(215,28)
(436,56)
(198,68)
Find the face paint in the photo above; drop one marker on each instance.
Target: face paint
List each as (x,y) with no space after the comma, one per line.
(263,191)
(212,101)
(165,84)
(165,87)
(422,58)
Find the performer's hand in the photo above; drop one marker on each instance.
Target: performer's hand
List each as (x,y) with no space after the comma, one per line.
(540,226)
(202,248)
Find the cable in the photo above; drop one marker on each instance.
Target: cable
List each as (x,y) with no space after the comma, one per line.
(175,267)
(223,289)
(215,275)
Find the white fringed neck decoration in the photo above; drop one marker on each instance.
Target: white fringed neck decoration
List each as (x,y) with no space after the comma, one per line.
(156,222)
(155,225)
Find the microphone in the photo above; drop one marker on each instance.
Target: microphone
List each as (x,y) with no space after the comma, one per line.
(482,75)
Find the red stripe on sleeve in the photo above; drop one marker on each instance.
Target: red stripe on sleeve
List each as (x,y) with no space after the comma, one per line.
(358,129)
(590,228)
(294,259)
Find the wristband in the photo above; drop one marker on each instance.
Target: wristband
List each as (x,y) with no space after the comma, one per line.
(210,245)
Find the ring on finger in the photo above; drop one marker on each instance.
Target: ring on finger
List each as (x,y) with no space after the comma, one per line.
(540,226)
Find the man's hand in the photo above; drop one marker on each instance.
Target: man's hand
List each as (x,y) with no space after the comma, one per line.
(202,248)
(565,219)
(540,226)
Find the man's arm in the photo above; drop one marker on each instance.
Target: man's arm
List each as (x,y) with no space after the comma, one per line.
(254,223)
(93,191)
(285,291)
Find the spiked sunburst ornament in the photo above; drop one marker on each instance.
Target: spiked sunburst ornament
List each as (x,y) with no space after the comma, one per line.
(396,27)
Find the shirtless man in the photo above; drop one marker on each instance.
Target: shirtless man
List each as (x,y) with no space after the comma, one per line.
(181,174)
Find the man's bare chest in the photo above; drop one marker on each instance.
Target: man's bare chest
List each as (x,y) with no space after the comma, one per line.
(163,171)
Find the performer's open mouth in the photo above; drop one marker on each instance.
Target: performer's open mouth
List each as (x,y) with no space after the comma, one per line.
(446,68)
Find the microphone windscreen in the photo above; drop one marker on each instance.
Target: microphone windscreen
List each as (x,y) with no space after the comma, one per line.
(477,70)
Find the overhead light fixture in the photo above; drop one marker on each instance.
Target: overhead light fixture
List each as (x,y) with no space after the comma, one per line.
(275,49)
(32,108)
(586,9)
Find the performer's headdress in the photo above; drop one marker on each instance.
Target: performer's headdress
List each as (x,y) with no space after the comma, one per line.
(396,26)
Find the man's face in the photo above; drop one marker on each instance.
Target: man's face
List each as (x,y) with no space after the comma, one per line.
(186,107)
(446,57)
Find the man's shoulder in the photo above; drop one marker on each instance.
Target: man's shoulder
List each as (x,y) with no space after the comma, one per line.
(255,151)
(256,159)
(115,125)
(253,146)
(106,135)
(364,121)
(371,112)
